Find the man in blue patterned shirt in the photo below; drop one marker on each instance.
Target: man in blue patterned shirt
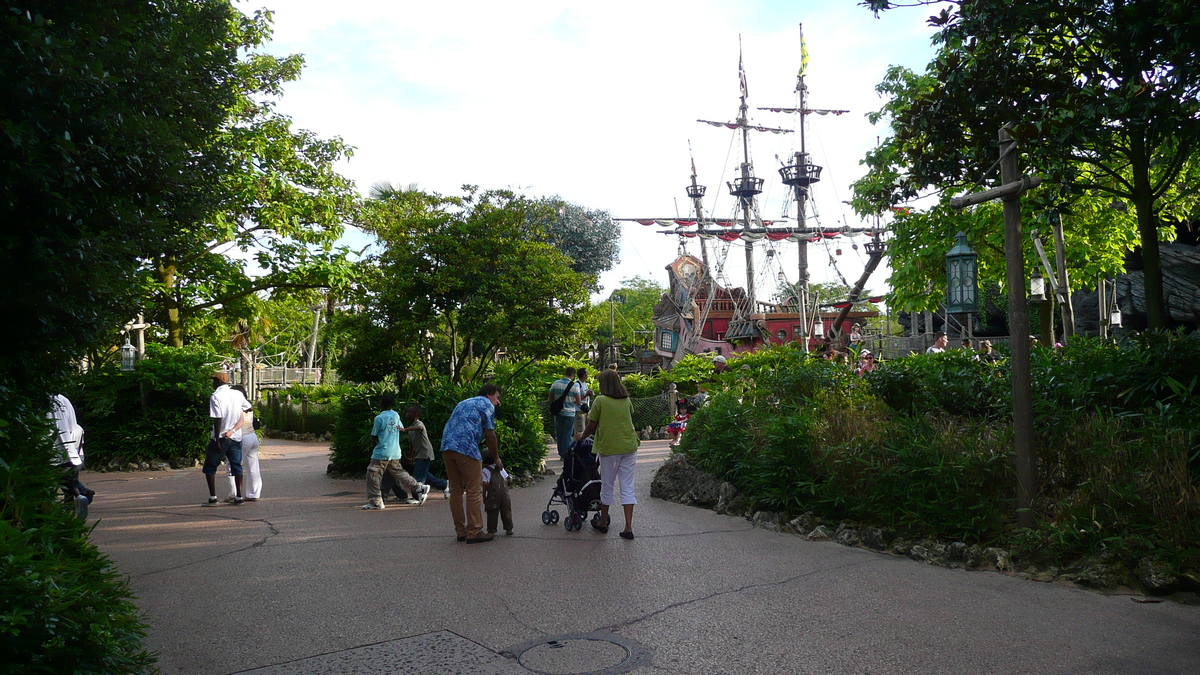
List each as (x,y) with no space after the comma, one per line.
(472,421)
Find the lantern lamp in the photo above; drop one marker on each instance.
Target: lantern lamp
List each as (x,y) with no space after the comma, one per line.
(128,356)
(1037,286)
(1114,319)
(962,269)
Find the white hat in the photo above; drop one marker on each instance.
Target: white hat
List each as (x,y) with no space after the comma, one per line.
(718,359)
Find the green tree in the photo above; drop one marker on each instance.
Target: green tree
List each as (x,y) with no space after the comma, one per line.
(459,279)
(1102,95)
(588,237)
(266,193)
(105,108)
(631,308)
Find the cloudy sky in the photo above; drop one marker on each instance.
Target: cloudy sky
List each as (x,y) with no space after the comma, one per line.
(597,102)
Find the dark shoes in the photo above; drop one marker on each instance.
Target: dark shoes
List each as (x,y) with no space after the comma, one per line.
(627,535)
(480,539)
(602,529)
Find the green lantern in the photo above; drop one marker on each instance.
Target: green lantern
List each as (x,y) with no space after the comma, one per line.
(962,270)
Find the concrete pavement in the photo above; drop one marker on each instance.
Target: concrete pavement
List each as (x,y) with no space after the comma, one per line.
(305,582)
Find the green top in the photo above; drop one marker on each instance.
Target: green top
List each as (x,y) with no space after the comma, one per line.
(615,434)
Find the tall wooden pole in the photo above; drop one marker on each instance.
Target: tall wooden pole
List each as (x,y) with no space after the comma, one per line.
(1064,282)
(1018,322)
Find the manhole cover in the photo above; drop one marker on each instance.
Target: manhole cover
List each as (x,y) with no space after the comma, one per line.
(599,653)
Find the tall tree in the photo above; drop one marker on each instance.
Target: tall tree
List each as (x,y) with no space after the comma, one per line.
(265,195)
(631,308)
(588,236)
(459,279)
(1103,96)
(105,108)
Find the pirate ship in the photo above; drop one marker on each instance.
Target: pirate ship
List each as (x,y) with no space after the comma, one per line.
(699,313)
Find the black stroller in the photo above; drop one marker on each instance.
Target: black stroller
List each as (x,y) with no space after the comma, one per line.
(578,488)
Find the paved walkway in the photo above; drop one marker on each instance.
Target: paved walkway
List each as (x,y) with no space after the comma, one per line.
(304,582)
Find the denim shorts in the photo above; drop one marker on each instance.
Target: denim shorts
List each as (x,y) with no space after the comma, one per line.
(223,449)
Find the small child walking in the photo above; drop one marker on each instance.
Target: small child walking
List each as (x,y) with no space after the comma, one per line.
(679,424)
(386,458)
(495,495)
(423,457)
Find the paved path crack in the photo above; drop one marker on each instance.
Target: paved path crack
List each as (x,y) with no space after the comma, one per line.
(683,603)
(272,531)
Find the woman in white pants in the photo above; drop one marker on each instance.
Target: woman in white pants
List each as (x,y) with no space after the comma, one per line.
(252,482)
(611,419)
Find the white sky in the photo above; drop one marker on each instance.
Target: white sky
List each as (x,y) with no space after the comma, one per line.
(596,102)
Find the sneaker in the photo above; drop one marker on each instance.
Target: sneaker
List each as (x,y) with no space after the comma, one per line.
(481,539)
(81,507)
(446,492)
(423,494)
(373,507)
(410,501)
(508,533)
(212,501)
(238,501)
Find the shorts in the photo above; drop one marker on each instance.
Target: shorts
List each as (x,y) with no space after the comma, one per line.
(220,450)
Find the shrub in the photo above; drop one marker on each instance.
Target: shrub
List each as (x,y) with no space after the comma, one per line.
(159,411)
(63,608)
(923,445)
(518,422)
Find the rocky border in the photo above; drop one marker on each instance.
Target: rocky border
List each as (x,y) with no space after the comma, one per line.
(678,481)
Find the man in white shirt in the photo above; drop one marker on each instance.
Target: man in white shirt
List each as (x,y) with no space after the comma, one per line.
(68,441)
(225,407)
(939,344)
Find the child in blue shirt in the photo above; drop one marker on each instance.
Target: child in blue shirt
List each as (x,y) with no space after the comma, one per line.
(386,458)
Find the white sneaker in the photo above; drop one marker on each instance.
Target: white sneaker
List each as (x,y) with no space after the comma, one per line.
(446,492)
(373,507)
(423,494)
(410,501)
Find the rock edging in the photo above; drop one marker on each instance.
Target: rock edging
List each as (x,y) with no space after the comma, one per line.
(677,480)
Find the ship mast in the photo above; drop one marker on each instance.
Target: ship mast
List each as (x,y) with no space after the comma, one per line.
(695,191)
(744,187)
(800,176)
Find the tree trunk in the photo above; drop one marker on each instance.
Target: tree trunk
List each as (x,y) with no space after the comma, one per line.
(165,272)
(1143,202)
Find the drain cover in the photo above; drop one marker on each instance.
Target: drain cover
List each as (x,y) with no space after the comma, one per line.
(598,653)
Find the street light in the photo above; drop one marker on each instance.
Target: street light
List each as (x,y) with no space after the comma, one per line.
(962,269)
(128,356)
(1037,286)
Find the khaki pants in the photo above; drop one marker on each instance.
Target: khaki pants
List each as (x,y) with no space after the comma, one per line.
(581,420)
(375,473)
(466,477)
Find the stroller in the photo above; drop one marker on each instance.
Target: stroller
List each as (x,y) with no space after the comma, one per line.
(578,488)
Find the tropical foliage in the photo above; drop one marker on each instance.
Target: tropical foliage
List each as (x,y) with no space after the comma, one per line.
(923,445)
(1101,97)
(460,278)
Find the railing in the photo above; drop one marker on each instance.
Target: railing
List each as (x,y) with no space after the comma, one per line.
(894,347)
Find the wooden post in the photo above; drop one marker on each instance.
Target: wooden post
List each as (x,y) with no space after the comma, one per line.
(1018,321)
(1064,282)
(1102,301)
(1013,184)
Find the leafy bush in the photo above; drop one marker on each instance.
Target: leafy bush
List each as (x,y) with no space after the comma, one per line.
(923,445)
(159,411)
(63,608)
(518,422)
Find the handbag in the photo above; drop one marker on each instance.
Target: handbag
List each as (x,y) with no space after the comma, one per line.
(556,405)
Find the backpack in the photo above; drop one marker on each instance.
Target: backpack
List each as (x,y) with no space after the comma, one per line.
(556,405)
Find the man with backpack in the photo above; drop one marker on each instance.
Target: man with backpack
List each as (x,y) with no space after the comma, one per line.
(565,398)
